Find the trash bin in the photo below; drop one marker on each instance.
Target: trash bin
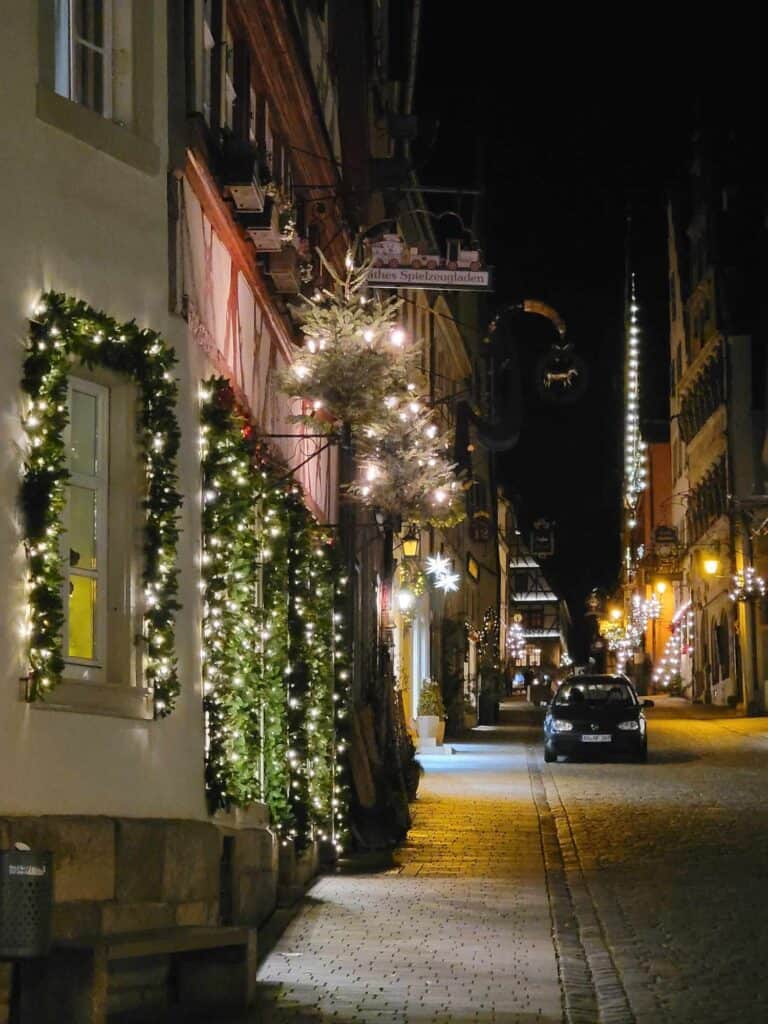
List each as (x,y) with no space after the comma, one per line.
(26,902)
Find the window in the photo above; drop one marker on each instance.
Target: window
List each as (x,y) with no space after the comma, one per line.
(102,548)
(83,52)
(535,618)
(209,54)
(92,50)
(85,539)
(532,656)
(520,583)
(95,75)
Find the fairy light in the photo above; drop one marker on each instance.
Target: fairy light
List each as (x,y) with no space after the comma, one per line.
(275,707)
(634,448)
(354,370)
(67,330)
(747,585)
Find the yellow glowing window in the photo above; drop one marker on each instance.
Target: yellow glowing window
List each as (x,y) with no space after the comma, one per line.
(84,533)
(82,617)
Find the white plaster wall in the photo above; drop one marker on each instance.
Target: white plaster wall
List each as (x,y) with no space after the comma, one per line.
(79,221)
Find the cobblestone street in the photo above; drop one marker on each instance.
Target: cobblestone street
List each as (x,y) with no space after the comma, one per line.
(580,892)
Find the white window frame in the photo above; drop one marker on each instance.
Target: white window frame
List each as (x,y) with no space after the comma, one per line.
(66,84)
(90,669)
(206,77)
(112,682)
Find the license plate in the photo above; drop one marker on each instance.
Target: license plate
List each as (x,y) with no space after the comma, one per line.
(597,737)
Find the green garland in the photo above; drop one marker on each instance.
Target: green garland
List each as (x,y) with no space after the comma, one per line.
(274,699)
(229,566)
(67,330)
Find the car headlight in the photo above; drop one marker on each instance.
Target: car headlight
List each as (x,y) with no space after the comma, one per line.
(632,726)
(562,725)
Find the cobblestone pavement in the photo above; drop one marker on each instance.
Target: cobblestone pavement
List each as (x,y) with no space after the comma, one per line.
(459,930)
(581,892)
(675,857)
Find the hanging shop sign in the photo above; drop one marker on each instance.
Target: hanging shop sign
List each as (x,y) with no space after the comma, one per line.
(542,539)
(438,279)
(665,544)
(561,375)
(396,264)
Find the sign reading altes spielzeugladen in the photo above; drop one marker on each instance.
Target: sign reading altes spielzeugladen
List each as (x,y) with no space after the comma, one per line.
(395,264)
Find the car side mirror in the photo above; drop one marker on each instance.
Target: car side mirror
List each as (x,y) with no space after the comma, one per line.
(649,704)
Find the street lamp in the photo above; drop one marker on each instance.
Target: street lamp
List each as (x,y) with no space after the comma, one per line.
(711,566)
(411,543)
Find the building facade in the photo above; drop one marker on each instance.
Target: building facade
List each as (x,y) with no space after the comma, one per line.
(162,202)
(717,259)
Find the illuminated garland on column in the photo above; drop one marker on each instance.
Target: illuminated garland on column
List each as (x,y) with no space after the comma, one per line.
(230,565)
(63,332)
(634,446)
(275,679)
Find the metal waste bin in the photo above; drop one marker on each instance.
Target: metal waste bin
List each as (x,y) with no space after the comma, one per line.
(26,903)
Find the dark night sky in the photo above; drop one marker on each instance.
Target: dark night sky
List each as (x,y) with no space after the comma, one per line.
(565,142)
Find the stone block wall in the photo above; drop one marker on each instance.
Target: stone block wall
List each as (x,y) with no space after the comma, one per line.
(124,874)
(114,875)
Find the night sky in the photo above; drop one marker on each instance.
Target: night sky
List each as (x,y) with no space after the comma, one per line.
(562,145)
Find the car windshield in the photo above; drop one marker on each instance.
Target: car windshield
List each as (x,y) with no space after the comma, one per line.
(610,692)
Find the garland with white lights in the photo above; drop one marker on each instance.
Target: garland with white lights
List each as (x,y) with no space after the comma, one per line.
(275,677)
(64,331)
(231,637)
(634,446)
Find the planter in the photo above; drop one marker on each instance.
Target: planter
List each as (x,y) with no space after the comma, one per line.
(428,726)
(470,719)
(440,732)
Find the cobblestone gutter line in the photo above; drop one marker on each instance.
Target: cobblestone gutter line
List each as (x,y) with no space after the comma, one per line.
(618,939)
(592,989)
(579,997)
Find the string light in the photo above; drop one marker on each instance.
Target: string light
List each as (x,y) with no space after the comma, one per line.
(79,332)
(635,471)
(747,585)
(354,368)
(275,708)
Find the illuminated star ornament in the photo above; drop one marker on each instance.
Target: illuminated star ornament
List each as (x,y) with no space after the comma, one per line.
(439,568)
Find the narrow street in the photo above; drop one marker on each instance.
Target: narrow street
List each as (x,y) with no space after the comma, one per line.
(579,892)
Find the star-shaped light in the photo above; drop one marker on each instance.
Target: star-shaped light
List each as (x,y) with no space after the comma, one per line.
(448,581)
(438,565)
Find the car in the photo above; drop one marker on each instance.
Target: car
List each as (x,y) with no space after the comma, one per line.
(596,712)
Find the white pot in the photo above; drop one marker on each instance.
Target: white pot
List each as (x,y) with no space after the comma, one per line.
(428,726)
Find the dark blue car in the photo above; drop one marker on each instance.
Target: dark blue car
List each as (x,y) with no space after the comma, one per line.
(599,713)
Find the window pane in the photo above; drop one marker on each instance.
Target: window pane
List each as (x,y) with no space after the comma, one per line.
(89,78)
(61,48)
(82,528)
(89,21)
(83,431)
(82,616)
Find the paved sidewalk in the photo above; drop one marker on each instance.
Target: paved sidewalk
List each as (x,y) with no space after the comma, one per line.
(459,930)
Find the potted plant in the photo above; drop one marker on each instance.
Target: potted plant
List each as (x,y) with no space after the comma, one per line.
(430,719)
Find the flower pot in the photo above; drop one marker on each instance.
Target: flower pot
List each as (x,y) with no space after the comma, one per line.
(428,726)
(440,732)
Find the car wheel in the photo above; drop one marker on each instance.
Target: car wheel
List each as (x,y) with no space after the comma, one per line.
(642,755)
(549,755)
